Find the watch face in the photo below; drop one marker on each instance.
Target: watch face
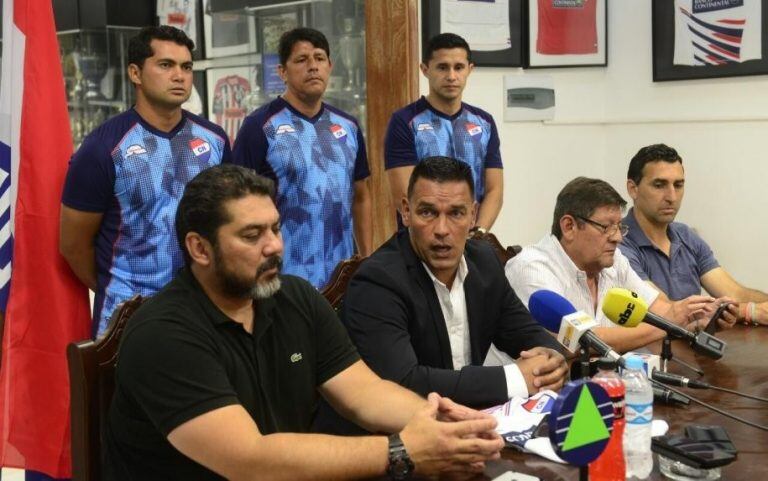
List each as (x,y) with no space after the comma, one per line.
(400,467)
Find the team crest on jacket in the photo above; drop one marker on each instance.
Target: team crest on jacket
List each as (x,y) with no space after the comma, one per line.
(338,131)
(135,149)
(200,148)
(473,129)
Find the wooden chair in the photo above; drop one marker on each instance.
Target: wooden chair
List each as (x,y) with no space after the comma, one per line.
(504,253)
(336,288)
(92,383)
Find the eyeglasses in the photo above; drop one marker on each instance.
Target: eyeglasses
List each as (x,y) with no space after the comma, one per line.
(608,230)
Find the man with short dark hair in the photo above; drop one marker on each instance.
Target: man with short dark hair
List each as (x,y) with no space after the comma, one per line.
(126,179)
(220,373)
(670,254)
(580,260)
(424,309)
(316,155)
(441,124)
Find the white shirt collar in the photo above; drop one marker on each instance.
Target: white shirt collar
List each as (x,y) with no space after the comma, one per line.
(461,274)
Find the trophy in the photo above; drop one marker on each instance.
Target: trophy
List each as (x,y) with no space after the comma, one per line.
(256,97)
(350,51)
(93,67)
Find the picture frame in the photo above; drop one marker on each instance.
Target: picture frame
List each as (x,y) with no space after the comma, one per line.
(708,48)
(495,44)
(270,27)
(566,33)
(228,96)
(228,33)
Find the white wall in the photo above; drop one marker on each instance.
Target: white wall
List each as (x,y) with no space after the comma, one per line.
(604,115)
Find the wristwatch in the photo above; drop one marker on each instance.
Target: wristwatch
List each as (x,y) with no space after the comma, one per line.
(400,465)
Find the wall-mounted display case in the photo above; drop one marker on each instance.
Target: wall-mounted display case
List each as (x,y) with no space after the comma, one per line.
(243,57)
(235,37)
(93,41)
(94,64)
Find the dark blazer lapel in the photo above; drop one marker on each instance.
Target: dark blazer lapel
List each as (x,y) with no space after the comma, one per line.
(473,294)
(418,273)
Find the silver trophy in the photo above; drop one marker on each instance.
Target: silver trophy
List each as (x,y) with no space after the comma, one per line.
(93,67)
(256,97)
(350,52)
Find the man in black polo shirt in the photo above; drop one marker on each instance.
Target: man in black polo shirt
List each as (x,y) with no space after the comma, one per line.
(220,371)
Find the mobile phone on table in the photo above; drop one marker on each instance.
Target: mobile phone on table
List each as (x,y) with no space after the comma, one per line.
(712,324)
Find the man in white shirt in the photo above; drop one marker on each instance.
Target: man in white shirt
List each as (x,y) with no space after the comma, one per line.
(580,260)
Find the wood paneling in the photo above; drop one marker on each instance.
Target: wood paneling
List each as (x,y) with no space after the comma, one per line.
(392,63)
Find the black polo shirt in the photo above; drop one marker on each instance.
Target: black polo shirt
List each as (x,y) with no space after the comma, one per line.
(181,357)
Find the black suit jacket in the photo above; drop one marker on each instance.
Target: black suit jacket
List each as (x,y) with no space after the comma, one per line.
(393,316)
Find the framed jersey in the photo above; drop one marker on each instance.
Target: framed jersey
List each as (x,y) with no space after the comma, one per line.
(492,28)
(229,92)
(697,39)
(567,33)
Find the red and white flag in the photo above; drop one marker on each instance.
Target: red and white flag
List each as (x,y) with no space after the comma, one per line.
(47,307)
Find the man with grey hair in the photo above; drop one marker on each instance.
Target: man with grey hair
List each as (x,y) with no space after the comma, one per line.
(580,260)
(220,372)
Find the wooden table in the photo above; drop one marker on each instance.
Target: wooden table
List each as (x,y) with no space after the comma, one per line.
(744,367)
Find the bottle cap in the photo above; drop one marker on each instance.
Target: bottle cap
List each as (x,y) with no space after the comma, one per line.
(606,364)
(634,362)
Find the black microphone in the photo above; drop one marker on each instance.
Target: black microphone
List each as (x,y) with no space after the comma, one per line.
(708,406)
(676,380)
(665,396)
(627,309)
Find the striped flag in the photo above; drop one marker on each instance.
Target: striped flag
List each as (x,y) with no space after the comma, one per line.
(45,306)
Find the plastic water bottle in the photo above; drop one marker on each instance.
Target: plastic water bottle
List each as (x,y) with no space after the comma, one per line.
(639,414)
(610,465)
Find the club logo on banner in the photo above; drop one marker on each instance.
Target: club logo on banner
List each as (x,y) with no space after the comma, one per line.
(540,405)
(581,422)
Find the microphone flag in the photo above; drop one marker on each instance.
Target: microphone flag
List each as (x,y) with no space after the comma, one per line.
(581,422)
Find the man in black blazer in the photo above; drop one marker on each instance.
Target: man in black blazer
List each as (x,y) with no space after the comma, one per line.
(424,309)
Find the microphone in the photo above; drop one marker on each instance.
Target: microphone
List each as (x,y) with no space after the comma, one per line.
(627,309)
(665,396)
(708,406)
(573,328)
(675,380)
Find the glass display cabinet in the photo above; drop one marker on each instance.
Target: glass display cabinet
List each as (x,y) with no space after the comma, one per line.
(242,54)
(94,64)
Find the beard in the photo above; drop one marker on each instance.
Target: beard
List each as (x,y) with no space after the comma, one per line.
(248,288)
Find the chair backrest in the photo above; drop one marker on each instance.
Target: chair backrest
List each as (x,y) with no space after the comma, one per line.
(92,383)
(504,253)
(336,288)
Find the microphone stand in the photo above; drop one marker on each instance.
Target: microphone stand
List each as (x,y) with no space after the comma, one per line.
(584,362)
(710,407)
(584,368)
(666,355)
